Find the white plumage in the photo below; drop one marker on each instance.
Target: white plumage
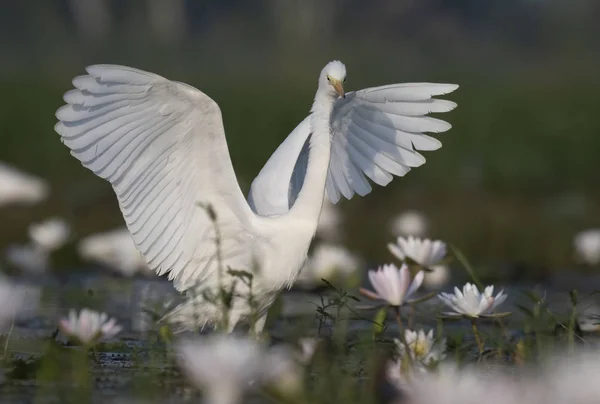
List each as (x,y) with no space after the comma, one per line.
(161,144)
(376,132)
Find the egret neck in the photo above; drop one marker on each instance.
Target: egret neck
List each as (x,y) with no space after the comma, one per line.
(309,203)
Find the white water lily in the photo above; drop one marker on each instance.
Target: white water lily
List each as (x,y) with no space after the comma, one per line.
(330,262)
(400,377)
(17,187)
(587,246)
(224,366)
(308,347)
(393,285)
(12,300)
(424,252)
(437,278)
(116,250)
(281,372)
(50,234)
(409,223)
(423,348)
(89,326)
(471,303)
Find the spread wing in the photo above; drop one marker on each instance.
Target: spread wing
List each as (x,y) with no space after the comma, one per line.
(161,144)
(377,133)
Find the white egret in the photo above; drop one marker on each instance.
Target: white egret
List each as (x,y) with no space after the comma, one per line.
(161,144)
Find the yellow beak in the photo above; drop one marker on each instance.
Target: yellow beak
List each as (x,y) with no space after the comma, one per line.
(337,85)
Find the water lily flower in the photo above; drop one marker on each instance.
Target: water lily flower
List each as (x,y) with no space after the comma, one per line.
(423,348)
(116,250)
(50,234)
(17,187)
(308,347)
(12,299)
(224,366)
(400,377)
(330,262)
(437,278)
(281,372)
(424,252)
(409,223)
(470,303)
(587,246)
(89,326)
(393,285)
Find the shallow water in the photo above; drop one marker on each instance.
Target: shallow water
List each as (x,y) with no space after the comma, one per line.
(136,359)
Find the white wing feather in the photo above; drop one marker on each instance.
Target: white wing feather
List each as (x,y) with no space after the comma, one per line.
(269,191)
(377,133)
(161,145)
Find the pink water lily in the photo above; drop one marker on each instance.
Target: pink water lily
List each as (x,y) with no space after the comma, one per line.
(393,285)
(89,326)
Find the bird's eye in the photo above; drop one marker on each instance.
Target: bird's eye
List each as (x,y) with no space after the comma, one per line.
(344,79)
(328,79)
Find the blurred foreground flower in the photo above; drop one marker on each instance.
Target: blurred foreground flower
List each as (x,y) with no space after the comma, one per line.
(401,376)
(50,234)
(330,262)
(89,326)
(17,187)
(587,246)
(565,378)
(393,285)
(114,249)
(423,348)
(409,223)
(470,303)
(12,301)
(308,347)
(281,373)
(424,252)
(225,366)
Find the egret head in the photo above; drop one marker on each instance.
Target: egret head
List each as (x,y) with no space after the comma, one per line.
(332,78)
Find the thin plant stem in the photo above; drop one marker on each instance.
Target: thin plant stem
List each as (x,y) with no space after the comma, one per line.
(571,330)
(403,335)
(8,335)
(477,336)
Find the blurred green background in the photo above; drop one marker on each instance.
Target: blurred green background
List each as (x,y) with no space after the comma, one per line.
(518,174)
